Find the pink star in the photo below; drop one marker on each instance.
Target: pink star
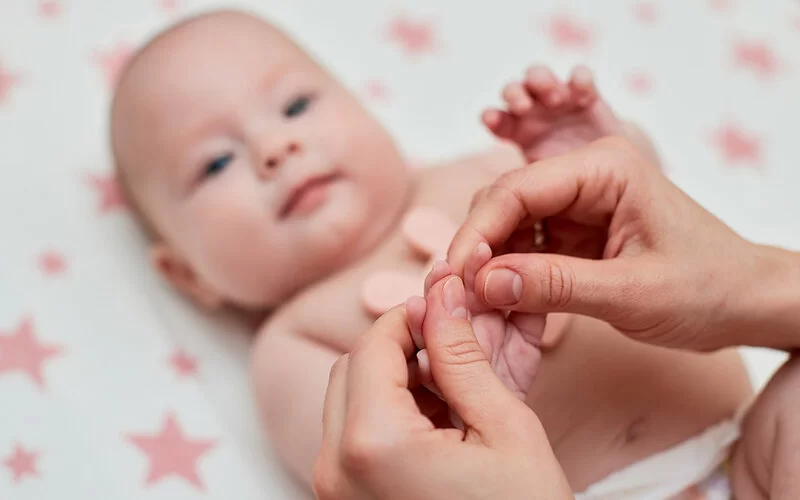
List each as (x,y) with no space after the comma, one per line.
(50,9)
(645,12)
(377,90)
(22,463)
(7,82)
(21,352)
(720,5)
(415,37)
(567,32)
(110,192)
(172,454)
(737,145)
(639,83)
(183,364)
(757,57)
(170,5)
(111,62)
(52,263)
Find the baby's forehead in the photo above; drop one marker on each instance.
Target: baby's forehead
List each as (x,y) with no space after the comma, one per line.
(211,41)
(191,68)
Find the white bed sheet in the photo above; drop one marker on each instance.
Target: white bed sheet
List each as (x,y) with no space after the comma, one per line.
(98,400)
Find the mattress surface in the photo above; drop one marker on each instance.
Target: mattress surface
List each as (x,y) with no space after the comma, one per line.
(112,386)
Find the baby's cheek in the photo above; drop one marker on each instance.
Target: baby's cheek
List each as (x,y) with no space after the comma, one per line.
(238,258)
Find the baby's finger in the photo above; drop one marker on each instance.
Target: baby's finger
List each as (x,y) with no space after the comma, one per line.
(517,98)
(582,87)
(544,86)
(425,377)
(501,123)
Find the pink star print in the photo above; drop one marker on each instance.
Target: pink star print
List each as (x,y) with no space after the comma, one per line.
(183,364)
(414,37)
(376,90)
(736,145)
(7,82)
(645,12)
(49,9)
(757,57)
(21,352)
(112,61)
(52,263)
(172,454)
(22,463)
(720,5)
(567,32)
(170,5)
(109,191)
(639,83)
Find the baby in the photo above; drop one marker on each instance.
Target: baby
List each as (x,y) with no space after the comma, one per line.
(266,187)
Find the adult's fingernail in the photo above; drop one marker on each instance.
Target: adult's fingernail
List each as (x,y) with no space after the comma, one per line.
(503,287)
(455,299)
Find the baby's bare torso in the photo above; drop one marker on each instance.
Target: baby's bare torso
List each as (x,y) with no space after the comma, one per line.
(605,401)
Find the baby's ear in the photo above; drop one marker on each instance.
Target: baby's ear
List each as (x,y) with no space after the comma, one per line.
(183,277)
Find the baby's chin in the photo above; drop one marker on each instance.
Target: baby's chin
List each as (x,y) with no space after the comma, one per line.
(346,227)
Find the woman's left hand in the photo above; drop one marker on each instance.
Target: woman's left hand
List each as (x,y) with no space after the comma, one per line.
(379,443)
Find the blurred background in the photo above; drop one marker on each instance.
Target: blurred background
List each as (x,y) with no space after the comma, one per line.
(104,373)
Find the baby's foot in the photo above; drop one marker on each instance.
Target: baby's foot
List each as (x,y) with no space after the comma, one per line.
(512,342)
(546,117)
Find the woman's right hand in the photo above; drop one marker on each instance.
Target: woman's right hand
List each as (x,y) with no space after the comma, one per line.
(624,245)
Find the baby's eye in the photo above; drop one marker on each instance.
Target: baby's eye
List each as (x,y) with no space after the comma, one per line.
(217,165)
(297,107)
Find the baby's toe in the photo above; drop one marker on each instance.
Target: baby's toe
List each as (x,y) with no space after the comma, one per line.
(582,88)
(543,85)
(439,270)
(416,308)
(517,99)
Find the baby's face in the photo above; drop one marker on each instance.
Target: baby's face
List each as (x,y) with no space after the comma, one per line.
(260,173)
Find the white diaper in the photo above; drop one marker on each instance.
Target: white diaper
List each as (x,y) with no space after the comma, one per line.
(694,467)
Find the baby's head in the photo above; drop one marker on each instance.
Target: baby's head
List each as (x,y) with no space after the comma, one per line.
(254,170)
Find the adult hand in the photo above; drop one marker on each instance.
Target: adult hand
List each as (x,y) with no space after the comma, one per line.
(622,244)
(379,443)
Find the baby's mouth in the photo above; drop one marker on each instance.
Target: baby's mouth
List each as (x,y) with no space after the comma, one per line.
(308,195)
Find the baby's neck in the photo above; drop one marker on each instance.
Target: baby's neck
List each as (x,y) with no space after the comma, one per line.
(377,235)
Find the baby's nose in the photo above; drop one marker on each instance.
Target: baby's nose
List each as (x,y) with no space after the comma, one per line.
(278,155)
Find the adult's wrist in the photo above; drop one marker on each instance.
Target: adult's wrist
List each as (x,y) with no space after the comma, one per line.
(765,310)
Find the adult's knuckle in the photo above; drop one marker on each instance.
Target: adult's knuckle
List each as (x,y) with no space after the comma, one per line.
(506,195)
(362,450)
(463,352)
(339,367)
(325,481)
(558,283)
(615,143)
(478,197)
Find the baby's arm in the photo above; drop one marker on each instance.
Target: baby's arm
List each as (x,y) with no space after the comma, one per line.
(290,377)
(766,463)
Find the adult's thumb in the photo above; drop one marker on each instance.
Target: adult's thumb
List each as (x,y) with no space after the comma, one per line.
(459,366)
(544,283)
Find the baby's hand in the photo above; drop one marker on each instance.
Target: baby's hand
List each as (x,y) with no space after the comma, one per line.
(546,117)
